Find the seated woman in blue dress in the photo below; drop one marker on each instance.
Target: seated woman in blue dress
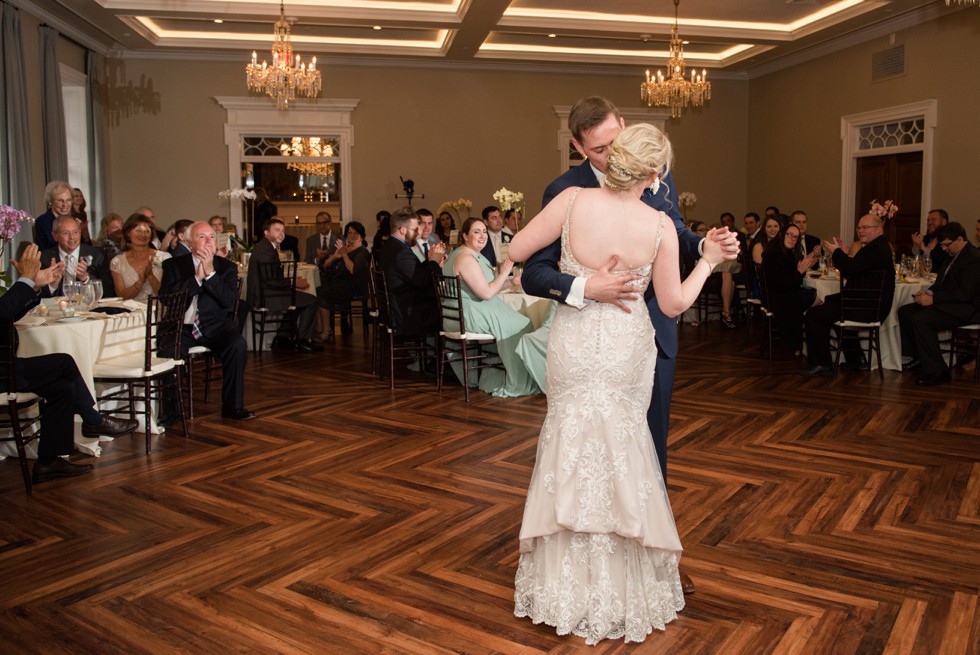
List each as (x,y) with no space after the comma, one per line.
(488,314)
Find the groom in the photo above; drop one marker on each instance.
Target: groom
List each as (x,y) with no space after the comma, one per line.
(594,122)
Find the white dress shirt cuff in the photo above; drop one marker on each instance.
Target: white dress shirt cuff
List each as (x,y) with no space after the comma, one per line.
(576,295)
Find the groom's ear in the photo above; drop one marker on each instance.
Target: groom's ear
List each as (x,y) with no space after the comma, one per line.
(579,148)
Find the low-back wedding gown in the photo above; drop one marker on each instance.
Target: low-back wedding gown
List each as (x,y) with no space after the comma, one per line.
(599,548)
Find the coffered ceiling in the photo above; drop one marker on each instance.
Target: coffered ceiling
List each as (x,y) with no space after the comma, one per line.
(728,36)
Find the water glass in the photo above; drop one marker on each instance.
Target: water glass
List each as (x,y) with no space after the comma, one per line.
(97,288)
(927,265)
(87,293)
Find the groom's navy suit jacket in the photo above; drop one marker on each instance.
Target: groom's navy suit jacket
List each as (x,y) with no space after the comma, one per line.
(541,277)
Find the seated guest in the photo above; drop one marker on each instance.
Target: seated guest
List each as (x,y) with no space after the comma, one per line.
(225,244)
(512,221)
(211,283)
(383,219)
(173,240)
(321,244)
(425,239)
(78,205)
(82,263)
(953,300)
(488,314)
(266,251)
(157,239)
(57,195)
(411,293)
(788,298)
(217,224)
(444,226)
(720,282)
(753,228)
(496,236)
(928,246)
(137,272)
(55,378)
(727,219)
(807,244)
(110,237)
(346,277)
(875,256)
(770,231)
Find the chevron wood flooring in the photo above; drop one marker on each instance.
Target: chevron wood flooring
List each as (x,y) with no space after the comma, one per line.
(818,516)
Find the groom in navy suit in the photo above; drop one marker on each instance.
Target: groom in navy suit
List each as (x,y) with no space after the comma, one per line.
(594,122)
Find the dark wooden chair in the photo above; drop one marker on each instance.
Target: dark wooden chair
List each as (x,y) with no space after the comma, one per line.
(146,375)
(964,343)
(277,300)
(454,339)
(860,306)
(768,317)
(23,429)
(393,345)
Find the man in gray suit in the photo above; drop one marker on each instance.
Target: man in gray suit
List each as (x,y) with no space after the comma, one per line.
(82,262)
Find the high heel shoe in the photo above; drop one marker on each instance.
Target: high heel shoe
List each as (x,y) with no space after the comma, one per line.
(726,320)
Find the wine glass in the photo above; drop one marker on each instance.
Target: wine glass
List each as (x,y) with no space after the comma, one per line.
(87,296)
(97,288)
(927,266)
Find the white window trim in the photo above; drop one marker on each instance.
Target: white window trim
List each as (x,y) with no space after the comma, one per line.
(850,138)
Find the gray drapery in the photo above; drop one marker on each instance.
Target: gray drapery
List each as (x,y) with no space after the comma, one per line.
(52,108)
(97,154)
(15,161)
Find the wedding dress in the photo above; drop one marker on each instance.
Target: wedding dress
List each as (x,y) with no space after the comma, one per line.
(599,548)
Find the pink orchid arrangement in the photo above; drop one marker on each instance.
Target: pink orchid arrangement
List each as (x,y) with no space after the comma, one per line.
(10,220)
(884,212)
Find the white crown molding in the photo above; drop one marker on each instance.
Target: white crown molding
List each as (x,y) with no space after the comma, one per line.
(906,21)
(64,28)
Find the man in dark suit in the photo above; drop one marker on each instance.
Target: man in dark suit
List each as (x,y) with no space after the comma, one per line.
(874,257)
(414,307)
(594,122)
(55,378)
(496,236)
(175,239)
(953,300)
(807,244)
(82,262)
(321,245)
(211,284)
(266,251)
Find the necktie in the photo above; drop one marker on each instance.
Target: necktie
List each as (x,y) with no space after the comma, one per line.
(425,250)
(70,266)
(196,327)
(323,241)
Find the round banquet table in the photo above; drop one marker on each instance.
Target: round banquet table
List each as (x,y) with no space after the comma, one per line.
(890,334)
(535,308)
(97,336)
(308,272)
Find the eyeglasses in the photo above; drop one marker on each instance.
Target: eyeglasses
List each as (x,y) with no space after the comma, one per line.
(945,244)
(865,227)
(794,237)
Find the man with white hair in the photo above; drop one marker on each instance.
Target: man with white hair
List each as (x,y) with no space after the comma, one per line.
(82,262)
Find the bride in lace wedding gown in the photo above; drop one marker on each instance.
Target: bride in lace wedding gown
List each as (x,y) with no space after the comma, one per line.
(599,548)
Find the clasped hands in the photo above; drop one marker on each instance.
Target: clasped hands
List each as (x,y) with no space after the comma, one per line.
(720,244)
(29,266)
(437,254)
(205,255)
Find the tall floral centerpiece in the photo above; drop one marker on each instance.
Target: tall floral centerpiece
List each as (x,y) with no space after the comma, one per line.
(686,200)
(248,197)
(460,208)
(508,200)
(884,212)
(10,222)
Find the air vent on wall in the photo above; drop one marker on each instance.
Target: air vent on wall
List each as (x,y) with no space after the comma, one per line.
(888,63)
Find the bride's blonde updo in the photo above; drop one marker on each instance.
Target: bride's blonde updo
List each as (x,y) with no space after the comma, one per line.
(636,153)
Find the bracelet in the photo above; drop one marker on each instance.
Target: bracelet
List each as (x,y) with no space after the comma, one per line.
(710,267)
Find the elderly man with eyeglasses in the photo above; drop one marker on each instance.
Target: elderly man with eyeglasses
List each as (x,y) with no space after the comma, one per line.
(953,300)
(875,256)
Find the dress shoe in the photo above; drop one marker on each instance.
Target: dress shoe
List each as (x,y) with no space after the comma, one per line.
(933,380)
(168,421)
(818,371)
(912,365)
(282,343)
(110,427)
(59,468)
(687,585)
(238,414)
(305,346)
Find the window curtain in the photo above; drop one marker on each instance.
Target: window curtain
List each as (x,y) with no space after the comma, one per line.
(15,160)
(97,154)
(52,108)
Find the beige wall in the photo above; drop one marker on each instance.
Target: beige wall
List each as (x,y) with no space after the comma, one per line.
(454,132)
(795,148)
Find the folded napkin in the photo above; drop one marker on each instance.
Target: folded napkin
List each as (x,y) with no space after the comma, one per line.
(110,310)
(31,321)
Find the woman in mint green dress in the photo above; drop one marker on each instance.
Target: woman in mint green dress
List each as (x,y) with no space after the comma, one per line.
(487,313)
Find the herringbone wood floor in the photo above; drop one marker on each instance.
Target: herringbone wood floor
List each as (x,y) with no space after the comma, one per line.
(818,516)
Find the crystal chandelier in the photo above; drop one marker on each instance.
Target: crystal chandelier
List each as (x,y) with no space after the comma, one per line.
(311,146)
(283,79)
(962,2)
(675,91)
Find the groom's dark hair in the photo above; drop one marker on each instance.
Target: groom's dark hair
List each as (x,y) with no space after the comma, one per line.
(589,112)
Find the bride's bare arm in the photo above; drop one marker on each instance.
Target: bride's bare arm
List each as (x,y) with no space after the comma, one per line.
(543,229)
(674,296)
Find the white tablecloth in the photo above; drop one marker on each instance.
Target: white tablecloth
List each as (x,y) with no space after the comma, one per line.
(98,336)
(890,334)
(308,272)
(535,308)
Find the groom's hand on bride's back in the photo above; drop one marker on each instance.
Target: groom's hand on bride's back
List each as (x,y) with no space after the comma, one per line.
(605,286)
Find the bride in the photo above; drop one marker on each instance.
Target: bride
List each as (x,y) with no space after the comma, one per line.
(599,548)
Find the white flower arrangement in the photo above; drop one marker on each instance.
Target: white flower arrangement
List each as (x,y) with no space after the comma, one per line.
(237,194)
(508,199)
(687,199)
(456,206)
(884,212)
